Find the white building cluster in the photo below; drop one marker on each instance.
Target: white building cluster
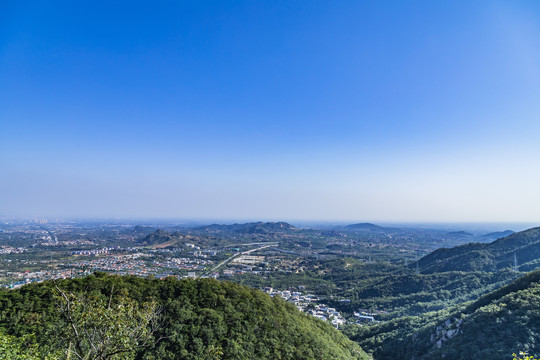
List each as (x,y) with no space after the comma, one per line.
(306,303)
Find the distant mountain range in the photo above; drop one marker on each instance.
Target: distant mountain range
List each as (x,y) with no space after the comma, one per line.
(204,235)
(522,247)
(370,227)
(250,228)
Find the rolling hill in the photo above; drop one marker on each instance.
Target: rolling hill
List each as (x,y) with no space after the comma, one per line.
(249,228)
(460,234)
(524,247)
(365,227)
(163,239)
(200,319)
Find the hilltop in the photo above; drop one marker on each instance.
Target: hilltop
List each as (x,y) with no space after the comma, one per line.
(157,237)
(365,227)
(162,239)
(460,233)
(200,319)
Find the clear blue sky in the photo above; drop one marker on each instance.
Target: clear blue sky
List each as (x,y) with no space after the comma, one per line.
(307,110)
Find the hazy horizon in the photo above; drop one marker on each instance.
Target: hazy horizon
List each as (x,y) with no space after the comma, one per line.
(368,112)
(476,227)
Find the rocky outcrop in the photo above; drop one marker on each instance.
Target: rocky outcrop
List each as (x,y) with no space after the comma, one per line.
(446,331)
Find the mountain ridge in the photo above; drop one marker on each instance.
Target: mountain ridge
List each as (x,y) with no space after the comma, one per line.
(524,247)
(258,227)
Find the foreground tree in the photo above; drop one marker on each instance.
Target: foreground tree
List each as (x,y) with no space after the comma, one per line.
(95,328)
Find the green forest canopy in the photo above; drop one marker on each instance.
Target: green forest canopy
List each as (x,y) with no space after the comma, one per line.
(199,319)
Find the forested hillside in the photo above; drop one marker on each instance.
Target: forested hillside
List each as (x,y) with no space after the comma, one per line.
(522,247)
(498,324)
(186,319)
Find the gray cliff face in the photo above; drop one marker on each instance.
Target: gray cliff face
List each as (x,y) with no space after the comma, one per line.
(446,331)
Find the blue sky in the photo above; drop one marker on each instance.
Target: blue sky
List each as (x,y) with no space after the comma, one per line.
(289,110)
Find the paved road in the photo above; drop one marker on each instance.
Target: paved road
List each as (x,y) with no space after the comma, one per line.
(255,243)
(240,254)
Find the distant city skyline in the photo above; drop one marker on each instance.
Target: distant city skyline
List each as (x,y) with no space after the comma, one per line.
(305,111)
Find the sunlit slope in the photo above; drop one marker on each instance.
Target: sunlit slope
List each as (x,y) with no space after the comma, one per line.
(197,315)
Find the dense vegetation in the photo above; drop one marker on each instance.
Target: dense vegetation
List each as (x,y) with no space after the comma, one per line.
(384,286)
(498,324)
(523,247)
(199,319)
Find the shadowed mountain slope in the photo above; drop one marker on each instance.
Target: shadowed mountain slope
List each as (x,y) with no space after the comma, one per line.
(522,247)
(493,327)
